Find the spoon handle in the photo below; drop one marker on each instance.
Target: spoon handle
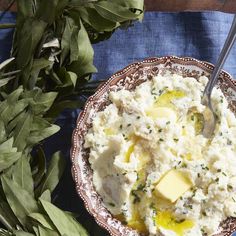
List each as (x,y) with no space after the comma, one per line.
(221,60)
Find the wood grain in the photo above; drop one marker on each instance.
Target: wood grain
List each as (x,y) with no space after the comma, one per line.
(174,5)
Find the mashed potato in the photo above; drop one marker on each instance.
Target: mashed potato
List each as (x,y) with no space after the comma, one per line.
(146,134)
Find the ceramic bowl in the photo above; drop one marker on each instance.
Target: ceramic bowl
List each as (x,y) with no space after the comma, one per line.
(129,78)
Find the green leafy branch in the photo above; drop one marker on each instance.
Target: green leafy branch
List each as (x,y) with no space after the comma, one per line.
(52,61)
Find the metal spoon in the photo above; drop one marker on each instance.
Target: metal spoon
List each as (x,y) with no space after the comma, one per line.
(208,114)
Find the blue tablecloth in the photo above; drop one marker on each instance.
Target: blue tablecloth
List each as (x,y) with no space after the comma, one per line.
(199,35)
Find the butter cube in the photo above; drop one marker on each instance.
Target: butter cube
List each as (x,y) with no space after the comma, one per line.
(173,185)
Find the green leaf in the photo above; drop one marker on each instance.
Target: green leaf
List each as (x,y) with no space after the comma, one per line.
(5,81)
(21,233)
(8,155)
(58,107)
(40,102)
(114,12)
(22,131)
(66,37)
(84,63)
(64,223)
(44,220)
(38,65)
(21,202)
(7,217)
(13,109)
(38,165)
(2,132)
(46,196)
(132,4)
(40,134)
(22,175)
(95,20)
(54,173)
(47,232)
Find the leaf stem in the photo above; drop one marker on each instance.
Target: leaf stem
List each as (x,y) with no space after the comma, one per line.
(5,223)
(7,25)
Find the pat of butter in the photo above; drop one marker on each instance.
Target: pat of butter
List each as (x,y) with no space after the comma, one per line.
(162,113)
(173,185)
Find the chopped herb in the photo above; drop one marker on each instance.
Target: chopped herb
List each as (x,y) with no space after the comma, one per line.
(192,117)
(202,230)
(153,92)
(221,133)
(218,170)
(206,168)
(198,175)
(229,187)
(190,206)
(204,213)
(150,131)
(176,139)
(179,162)
(128,125)
(168,122)
(160,92)
(111,204)
(148,126)
(229,142)
(121,126)
(138,117)
(184,165)
(179,221)
(141,187)
(224,174)
(217,179)
(221,100)
(136,197)
(160,130)
(124,173)
(183,127)
(233,199)
(161,139)
(181,198)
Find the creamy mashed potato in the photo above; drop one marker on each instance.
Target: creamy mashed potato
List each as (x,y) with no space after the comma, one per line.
(152,166)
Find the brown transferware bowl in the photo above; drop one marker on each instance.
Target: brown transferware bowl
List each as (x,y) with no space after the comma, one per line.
(129,78)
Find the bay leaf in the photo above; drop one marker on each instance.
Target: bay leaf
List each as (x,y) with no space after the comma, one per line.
(46,196)
(7,159)
(95,20)
(22,131)
(44,220)
(55,170)
(114,12)
(20,201)
(38,135)
(22,175)
(2,132)
(47,232)
(21,233)
(64,223)
(58,107)
(13,109)
(38,165)
(84,63)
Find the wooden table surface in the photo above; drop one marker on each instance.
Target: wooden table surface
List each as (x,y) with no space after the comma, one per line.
(173,5)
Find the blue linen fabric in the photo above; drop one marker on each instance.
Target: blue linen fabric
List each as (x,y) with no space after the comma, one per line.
(200,35)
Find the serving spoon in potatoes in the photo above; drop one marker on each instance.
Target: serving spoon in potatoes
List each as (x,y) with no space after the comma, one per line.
(209,114)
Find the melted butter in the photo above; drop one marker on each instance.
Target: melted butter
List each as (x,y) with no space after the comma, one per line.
(129,152)
(137,222)
(165,100)
(166,220)
(109,131)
